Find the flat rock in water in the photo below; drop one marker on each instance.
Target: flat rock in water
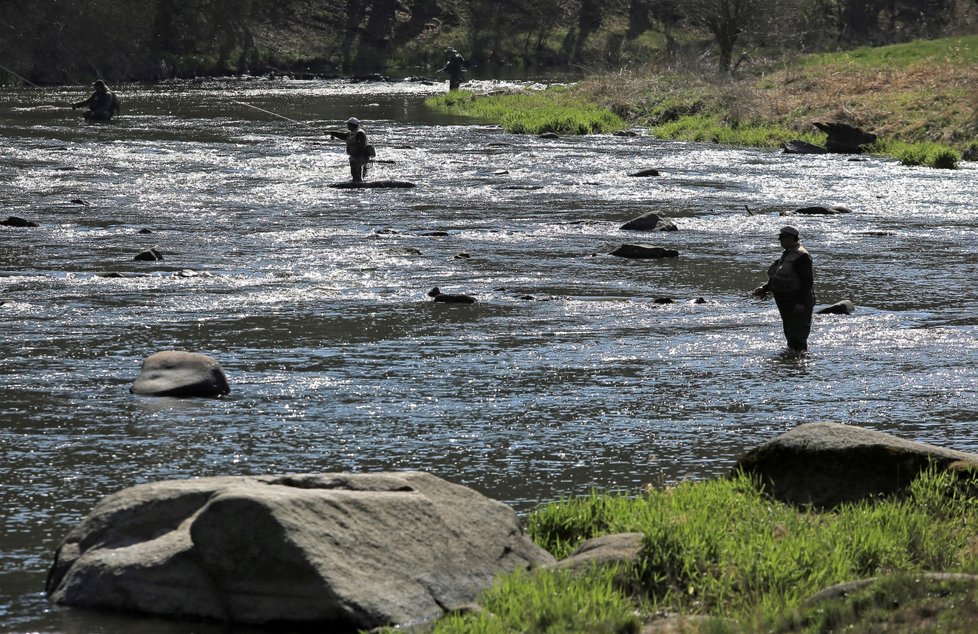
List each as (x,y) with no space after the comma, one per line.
(644,252)
(827,464)
(181,374)
(331,552)
(372,185)
(819,210)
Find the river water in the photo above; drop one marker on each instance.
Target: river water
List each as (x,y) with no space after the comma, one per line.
(566,375)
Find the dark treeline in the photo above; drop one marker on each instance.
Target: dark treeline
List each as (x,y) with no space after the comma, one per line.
(57,41)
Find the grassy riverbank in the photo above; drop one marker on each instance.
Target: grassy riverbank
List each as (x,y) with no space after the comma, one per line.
(719,556)
(920,98)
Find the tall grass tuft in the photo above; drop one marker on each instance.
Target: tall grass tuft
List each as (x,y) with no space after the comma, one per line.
(550,602)
(928,154)
(723,548)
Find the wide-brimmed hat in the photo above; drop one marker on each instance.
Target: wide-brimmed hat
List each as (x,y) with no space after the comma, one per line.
(353,121)
(788,230)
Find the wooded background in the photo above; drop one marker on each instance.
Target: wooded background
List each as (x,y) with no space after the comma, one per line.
(58,41)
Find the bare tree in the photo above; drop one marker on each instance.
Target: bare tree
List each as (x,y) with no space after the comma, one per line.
(731,21)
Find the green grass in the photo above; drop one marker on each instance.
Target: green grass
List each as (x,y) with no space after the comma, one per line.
(554,110)
(935,155)
(957,50)
(712,129)
(551,602)
(724,549)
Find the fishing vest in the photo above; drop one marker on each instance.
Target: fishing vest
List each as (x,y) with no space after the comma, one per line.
(783,276)
(355,143)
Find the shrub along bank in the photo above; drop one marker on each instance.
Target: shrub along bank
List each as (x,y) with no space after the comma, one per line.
(720,556)
(919,98)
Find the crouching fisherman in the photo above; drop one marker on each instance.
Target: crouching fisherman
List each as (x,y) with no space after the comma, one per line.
(102,105)
(359,151)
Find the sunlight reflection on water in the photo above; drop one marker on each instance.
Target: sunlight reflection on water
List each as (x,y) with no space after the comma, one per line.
(564,376)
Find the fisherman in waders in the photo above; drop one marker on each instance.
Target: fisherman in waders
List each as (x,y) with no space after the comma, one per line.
(359,151)
(792,281)
(101,105)
(454,66)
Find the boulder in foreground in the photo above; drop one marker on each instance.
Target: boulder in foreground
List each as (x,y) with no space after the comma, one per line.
(181,374)
(827,464)
(339,551)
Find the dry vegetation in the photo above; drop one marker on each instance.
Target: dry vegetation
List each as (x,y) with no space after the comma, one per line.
(929,97)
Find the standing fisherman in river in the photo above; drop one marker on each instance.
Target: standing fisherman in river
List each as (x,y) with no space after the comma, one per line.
(357,148)
(454,66)
(101,105)
(792,281)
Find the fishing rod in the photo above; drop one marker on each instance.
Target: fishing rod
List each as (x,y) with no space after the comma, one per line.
(282,116)
(274,114)
(20,77)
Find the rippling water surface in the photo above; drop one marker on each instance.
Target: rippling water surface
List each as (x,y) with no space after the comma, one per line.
(564,376)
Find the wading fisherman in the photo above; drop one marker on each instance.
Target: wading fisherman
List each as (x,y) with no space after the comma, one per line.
(359,151)
(792,281)
(454,66)
(102,105)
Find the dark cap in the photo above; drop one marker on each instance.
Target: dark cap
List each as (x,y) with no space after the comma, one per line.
(788,230)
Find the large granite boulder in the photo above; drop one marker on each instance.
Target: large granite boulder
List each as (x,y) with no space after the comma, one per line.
(181,374)
(827,464)
(338,551)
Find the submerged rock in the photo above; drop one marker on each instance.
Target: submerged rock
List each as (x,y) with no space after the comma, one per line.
(650,222)
(802,147)
(149,255)
(450,298)
(338,551)
(645,173)
(845,307)
(15,221)
(181,374)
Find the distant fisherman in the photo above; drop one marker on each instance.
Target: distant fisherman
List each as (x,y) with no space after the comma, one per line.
(454,66)
(792,281)
(102,105)
(359,151)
